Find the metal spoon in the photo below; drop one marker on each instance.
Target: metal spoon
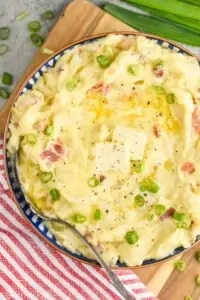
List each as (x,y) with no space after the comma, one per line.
(114,279)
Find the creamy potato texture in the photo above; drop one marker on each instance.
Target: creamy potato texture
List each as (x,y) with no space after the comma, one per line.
(108,140)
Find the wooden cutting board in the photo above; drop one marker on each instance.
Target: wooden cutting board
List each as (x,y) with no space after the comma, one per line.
(82,19)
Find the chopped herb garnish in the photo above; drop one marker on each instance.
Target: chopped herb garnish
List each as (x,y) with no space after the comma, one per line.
(171,98)
(36,39)
(3,49)
(7,78)
(45,177)
(4,33)
(148,185)
(131,237)
(48,15)
(78,218)
(32,139)
(97,214)
(93,181)
(3,93)
(103,61)
(180,265)
(159,209)
(22,15)
(34,26)
(133,69)
(198,280)
(150,216)
(187,297)
(138,166)
(71,85)
(179,216)
(55,195)
(139,200)
(159,89)
(47,51)
(49,130)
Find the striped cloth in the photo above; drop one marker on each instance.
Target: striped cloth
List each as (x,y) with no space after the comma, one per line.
(30,269)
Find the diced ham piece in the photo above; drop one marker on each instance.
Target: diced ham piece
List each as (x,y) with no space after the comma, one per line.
(168,214)
(196,120)
(156,131)
(100,87)
(159,73)
(188,167)
(53,153)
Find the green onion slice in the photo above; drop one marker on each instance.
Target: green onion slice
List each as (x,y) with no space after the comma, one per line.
(71,85)
(55,195)
(3,49)
(78,218)
(138,166)
(148,185)
(7,78)
(47,51)
(34,26)
(133,69)
(3,93)
(139,200)
(171,98)
(97,214)
(48,15)
(159,209)
(49,130)
(22,15)
(131,237)
(103,61)
(32,139)
(180,265)
(36,39)
(4,33)
(45,177)
(93,181)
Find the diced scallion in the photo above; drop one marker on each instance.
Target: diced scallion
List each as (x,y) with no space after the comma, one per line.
(34,26)
(198,280)
(48,15)
(180,265)
(22,15)
(170,98)
(148,185)
(3,93)
(4,33)
(7,78)
(71,85)
(179,216)
(97,214)
(103,61)
(93,181)
(159,209)
(3,49)
(139,200)
(32,139)
(131,237)
(36,39)
(78,218)
(49,130)
(55,195)
(159,89)
(150,216)
(45,177)
(138,166)
(133,69)
(47,51)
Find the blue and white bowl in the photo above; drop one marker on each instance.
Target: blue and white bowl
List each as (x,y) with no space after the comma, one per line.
(36,222)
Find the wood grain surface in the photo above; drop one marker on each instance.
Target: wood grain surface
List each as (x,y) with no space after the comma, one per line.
(82,19)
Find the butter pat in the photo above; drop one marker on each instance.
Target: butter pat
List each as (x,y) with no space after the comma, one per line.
(112,157)
(134,139)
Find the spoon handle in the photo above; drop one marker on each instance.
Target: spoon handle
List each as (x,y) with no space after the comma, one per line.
(115,280)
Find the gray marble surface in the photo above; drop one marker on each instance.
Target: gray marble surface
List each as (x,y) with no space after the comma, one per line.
(21,49)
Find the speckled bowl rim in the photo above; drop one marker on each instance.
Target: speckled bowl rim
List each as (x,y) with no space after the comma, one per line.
(171,45)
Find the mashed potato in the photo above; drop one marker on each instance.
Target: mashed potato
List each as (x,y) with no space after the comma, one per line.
(109,141)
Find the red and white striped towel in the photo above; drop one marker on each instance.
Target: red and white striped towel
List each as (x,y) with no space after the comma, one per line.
(30,269)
